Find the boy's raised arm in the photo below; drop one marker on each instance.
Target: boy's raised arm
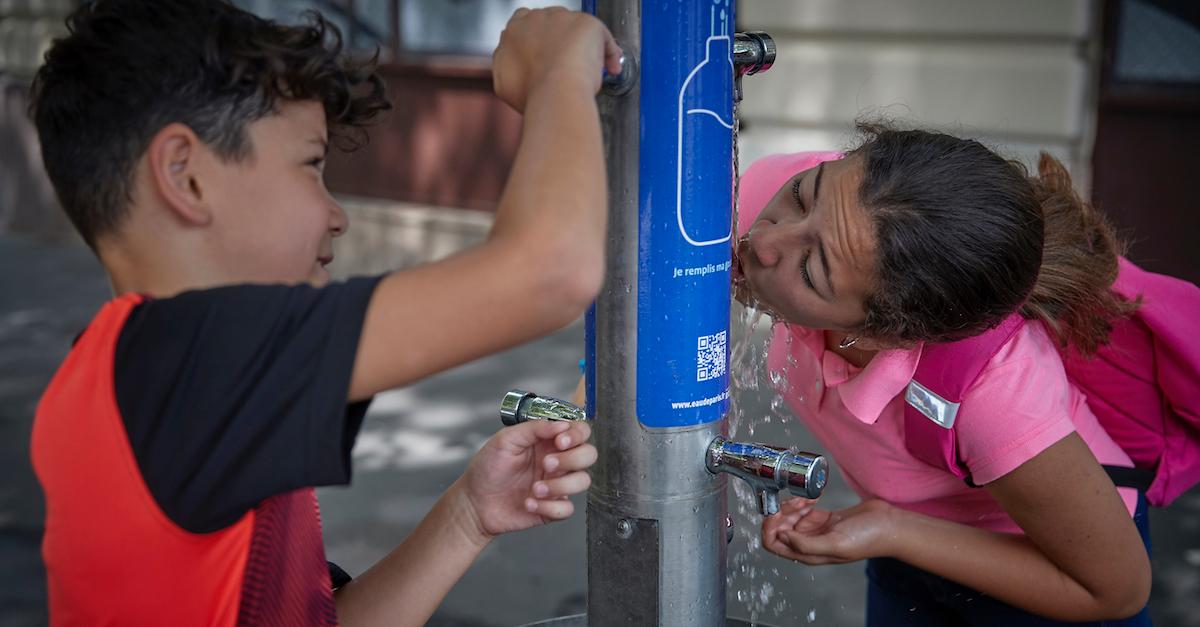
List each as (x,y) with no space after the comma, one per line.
(543,262)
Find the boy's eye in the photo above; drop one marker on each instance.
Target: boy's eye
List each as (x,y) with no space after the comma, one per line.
(316,162)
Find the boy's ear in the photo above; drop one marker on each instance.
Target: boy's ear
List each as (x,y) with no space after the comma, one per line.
(174,156)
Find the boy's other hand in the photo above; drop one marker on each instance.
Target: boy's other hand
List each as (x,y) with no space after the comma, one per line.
(551,46)
(522,476)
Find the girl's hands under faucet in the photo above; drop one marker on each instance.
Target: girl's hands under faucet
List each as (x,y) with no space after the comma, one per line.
(552,48)
(813,536)
(522,476)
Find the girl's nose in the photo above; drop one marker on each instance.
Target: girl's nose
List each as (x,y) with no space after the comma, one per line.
(769,241)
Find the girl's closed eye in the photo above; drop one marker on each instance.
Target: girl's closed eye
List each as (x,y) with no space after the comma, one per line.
(796,196)
(804,271)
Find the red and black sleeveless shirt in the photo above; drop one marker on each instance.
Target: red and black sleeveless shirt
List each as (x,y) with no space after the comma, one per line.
(178,446)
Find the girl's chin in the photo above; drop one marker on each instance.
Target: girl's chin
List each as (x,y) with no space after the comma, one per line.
(743,294)
(738,282)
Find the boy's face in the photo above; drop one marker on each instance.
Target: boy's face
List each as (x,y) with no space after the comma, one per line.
(275,220)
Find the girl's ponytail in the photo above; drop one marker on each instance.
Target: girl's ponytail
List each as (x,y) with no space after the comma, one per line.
(1072,295)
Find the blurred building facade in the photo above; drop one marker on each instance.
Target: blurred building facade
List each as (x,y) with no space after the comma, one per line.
(27,202)
(1148,128)
(1017,75)
(1110,87)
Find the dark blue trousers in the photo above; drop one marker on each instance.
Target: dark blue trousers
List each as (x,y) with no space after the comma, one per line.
(899,595)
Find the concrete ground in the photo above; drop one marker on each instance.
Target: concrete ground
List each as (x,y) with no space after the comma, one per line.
(413,445)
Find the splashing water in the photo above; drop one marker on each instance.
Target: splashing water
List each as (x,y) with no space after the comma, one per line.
(753,573)
(755,576)
(747,365)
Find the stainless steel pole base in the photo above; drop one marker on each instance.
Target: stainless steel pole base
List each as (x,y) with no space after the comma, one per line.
(644,566)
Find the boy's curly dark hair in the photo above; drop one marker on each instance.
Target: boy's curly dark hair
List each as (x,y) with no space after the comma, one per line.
(130,67)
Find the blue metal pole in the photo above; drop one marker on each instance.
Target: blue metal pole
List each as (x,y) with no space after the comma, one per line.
(658,337)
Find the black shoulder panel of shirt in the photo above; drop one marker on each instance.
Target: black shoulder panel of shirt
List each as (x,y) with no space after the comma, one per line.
(234,394)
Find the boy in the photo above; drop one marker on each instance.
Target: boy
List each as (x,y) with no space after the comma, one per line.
(180,439)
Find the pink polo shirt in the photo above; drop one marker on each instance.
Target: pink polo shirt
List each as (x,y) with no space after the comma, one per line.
(1021,403)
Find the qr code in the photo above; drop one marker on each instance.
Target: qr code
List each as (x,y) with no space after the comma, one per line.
(710,356)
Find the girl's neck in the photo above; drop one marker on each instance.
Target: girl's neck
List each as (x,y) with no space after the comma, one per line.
(857,356)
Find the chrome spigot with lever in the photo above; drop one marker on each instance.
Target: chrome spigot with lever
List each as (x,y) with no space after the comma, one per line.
(753,52)
(769,469)
(518,406)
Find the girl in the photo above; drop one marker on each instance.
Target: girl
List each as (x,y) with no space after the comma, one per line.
(917,237)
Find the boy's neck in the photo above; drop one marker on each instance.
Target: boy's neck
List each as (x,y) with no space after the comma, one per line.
(132,270)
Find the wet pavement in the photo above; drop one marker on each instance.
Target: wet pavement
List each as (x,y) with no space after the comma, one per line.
(412,446)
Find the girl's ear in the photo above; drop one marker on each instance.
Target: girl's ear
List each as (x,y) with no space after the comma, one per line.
(172,157)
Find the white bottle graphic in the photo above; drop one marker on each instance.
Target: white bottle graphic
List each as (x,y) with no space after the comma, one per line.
(706,132)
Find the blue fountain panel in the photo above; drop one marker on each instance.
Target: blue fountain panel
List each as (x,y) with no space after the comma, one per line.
(685,205)
(589,362)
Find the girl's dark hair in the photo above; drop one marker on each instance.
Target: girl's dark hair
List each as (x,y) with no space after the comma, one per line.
(965,238)
(130,67)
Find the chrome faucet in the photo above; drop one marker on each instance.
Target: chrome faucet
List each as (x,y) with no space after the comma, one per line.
(769,469)
(518,406)
(753,52)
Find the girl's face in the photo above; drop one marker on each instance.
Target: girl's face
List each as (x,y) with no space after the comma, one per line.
(809,258)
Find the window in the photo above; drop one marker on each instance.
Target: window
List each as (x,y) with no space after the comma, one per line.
(1157,41)
(410,30)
